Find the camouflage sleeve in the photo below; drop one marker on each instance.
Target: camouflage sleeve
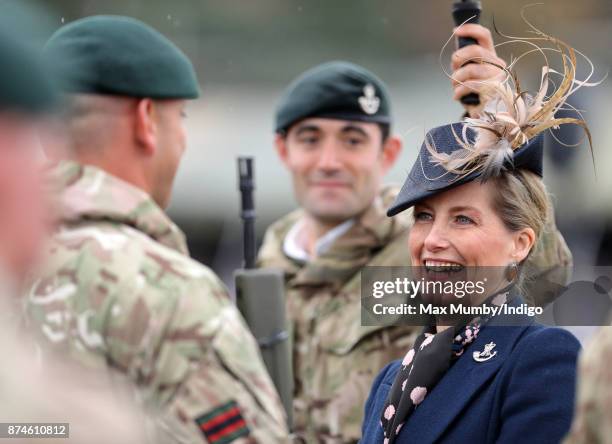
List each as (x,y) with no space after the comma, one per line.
(199,364)
(549,267)
(593,415)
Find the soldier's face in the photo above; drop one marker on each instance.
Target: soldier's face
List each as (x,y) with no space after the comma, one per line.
(24,220)
(336,165)
(171,144)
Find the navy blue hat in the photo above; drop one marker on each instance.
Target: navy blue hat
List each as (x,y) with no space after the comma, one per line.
(428,178)
(337,90)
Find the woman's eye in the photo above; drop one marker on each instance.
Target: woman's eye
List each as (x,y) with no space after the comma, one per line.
(464,220)
(422,216)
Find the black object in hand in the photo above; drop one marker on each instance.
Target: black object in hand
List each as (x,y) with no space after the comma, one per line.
(466,11)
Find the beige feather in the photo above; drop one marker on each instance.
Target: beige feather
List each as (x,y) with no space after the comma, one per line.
(512,117)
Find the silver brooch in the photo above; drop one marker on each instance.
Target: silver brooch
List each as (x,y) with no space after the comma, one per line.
(369,102)
(486,354)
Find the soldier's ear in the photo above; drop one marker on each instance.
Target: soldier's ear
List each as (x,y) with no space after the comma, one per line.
(280,143)
(145,127)
(392,148)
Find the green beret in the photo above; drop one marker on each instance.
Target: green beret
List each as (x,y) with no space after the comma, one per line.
(337,90)
(120,56)
(23,83)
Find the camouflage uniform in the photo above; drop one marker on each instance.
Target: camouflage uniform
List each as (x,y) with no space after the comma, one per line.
(335,358)
(593,417)
(120,290)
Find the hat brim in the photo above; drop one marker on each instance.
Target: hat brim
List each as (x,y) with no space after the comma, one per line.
(528,157)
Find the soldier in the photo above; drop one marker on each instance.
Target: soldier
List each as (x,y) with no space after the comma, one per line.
(31,390)
(119,289)
(593,416)
(333,133)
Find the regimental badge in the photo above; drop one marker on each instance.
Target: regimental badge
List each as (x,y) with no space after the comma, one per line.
(486,354)
(369,102)
(223,424)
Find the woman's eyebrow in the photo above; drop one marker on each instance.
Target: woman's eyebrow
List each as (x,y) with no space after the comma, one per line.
(458,208)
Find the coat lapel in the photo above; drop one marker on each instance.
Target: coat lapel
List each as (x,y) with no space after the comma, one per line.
(464,379)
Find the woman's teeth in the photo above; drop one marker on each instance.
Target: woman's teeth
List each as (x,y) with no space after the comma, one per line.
(442,266)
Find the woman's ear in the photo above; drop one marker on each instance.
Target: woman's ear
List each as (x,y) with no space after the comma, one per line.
(524,241)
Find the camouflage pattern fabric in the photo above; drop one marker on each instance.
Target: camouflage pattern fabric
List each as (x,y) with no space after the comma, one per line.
(119,290)
(33,383)
(335,358)
(593,417)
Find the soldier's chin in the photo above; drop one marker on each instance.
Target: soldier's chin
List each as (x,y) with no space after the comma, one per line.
(332,212)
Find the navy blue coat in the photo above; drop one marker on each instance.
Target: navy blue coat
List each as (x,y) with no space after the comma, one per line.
(525,394)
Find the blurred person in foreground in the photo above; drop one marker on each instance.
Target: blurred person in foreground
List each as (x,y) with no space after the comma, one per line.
(593,413)
(334,135)
(118,288)
(35,386)
(478,200)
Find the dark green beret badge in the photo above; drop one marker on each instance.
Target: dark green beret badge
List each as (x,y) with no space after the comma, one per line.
(335,90)
(120,56)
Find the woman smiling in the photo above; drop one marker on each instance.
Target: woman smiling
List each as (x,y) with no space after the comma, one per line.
(479,202)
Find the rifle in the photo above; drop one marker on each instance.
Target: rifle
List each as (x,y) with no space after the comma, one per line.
(260,296)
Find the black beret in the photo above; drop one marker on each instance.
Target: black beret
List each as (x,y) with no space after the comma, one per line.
(427,178)
(120,56)
(339,90)
(24,85)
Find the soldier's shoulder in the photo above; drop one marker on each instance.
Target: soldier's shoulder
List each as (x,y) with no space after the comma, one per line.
(599,349)
(271,251)
(125,259)
(281,227)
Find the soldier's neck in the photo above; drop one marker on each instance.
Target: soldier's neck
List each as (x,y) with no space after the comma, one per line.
(128,171)
(313,230)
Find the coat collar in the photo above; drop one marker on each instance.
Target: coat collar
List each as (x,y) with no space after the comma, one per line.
(465,377)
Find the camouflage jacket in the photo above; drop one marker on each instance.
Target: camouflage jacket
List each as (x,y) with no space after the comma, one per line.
(120,290)
(34,384)
(593,416)
(335,358)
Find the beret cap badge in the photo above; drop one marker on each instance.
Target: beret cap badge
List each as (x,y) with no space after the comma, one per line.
(369,102)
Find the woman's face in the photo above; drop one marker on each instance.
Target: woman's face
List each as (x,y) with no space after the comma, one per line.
(459,228)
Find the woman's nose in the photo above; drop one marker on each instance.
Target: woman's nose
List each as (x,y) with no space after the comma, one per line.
(437,238)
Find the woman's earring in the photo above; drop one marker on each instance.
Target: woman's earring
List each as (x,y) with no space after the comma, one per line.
(512,271)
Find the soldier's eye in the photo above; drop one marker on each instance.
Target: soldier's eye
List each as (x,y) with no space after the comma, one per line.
(354,141)
(308,140)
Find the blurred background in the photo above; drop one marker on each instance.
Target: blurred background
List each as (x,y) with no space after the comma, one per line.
(246,52)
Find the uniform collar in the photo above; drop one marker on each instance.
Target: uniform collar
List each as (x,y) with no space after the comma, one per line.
(88,193)
(369,233)
(294,250)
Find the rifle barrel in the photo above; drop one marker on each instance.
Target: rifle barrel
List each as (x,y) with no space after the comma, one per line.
(246,185)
